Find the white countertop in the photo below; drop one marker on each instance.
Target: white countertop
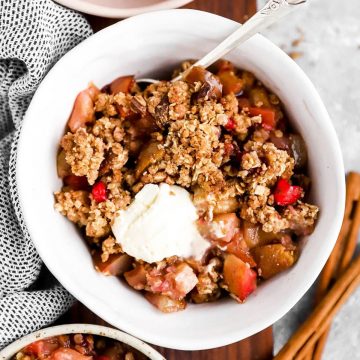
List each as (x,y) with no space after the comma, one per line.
(330,55)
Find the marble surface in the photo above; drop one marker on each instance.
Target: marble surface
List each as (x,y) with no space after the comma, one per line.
(325,36)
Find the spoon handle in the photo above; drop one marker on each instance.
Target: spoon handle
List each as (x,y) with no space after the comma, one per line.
(270,13)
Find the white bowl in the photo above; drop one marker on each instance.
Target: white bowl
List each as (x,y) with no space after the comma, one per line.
(121,8)
(8,352)
(144,45)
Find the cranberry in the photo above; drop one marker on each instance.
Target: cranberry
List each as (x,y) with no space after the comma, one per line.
(99,192)
(230,125)
(286,194)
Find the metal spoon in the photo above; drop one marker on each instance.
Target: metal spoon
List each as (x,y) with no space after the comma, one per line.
(270,13)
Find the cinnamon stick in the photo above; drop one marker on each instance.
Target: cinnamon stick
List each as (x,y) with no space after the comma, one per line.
(329,271)
(327,321)
(343,251)
(310,331)
(311,339)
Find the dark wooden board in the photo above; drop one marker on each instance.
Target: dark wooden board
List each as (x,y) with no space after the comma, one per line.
(238,10)
(257,347)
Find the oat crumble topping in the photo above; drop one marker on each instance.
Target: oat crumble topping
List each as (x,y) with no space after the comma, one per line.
(84,153)
(225,139)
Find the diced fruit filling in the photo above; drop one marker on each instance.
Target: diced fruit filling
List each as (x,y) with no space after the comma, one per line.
(267,117)
(239,277)
(78,347)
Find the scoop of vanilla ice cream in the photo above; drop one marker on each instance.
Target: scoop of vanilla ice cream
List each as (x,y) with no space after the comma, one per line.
(159,223)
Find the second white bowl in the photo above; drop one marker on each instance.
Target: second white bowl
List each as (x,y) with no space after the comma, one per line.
(8,352)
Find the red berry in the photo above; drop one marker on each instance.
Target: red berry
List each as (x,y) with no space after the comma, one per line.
(99,192)
(230,125)
(286,194)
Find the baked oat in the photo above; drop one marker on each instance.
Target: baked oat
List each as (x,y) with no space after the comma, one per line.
(220,135)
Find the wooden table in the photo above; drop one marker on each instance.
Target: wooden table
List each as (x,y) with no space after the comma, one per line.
(257,347)
(238,10)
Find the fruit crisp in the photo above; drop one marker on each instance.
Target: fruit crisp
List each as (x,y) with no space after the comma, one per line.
(78,347)
(219,134)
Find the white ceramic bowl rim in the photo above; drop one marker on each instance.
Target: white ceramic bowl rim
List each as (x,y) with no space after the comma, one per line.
(135,343)
(220,335)
(115,12)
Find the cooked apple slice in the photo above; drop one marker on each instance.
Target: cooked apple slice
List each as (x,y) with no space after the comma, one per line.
(238,247)
(231,83)
(63,168)
(122,84)
(239,277)
(83,111)
(165,303)
(152,153)
(116,265)
(273,259)
(221,229)
(136,277)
